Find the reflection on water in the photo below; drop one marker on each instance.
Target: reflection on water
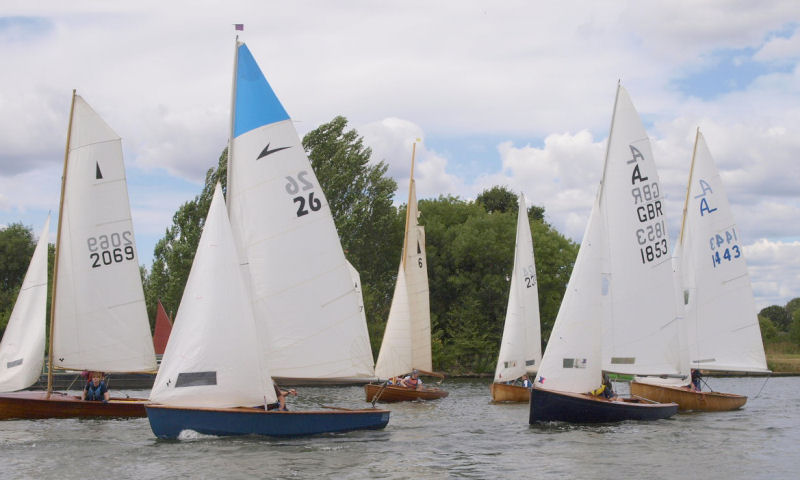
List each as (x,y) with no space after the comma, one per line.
(463,435)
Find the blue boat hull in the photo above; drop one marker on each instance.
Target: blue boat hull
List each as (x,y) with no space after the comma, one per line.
(550,406)
(169,422)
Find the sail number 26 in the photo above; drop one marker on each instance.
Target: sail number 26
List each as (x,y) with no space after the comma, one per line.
(113,248)
(297,185)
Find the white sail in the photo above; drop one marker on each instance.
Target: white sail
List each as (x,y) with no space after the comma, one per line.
(621,299)
(407,339)
(724,333)
(304,300)
(642,335)
(521,350)
(214,358)
(572,361)
(22,348)
(100,321)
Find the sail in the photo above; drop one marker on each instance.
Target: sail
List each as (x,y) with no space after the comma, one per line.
(407,339)
(305,304)
(214,358)
(22,348)
(572,361)
(642,334)
(99,320)
(520,349)
(162,330)
(724,333)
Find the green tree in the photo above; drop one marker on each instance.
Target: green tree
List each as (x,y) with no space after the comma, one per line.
(778,316)
(768,330)
(794,329)
(792,306)
(17,243)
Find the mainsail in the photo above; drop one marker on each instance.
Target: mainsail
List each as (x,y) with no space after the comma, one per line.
(22,348)
(520,349)
(304,300)
(214,358)
(407,339)
(723,328)
(99,316)
(619,312)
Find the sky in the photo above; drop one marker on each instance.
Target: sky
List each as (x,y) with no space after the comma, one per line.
(514,93)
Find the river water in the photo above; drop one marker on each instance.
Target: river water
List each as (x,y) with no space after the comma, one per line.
(461,436)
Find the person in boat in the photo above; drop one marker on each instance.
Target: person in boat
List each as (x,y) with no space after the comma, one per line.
(412,381)
(695,383)
(526,382)
(281,394)
(606,390)
(96,389)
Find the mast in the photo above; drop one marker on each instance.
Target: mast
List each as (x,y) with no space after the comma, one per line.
(58,249)
(410,186)
(608,143)
(233,114)
(689,187)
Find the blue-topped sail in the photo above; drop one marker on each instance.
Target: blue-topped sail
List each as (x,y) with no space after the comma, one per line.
(256,103)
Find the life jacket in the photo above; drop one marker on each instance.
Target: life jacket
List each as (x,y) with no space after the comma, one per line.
(412,382)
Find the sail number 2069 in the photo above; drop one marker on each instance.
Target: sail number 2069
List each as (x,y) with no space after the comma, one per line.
(113,248)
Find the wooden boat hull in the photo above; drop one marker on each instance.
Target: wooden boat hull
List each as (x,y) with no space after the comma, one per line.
(169,422)
(35,404)
(687,399)
(392,393)
(550,406)
(502,392)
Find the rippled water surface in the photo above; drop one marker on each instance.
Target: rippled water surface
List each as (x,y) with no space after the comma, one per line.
(462,435)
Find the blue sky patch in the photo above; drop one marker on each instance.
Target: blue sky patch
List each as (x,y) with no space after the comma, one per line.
(730,70)
(18,29)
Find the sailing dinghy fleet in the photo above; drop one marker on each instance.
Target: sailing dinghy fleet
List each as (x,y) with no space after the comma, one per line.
(270,284)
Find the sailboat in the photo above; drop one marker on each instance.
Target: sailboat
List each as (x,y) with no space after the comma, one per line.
(98,316)
(301,285)
(722,330)
(618,313)
(406,342)
(22,348)
(214,370)
(521,349)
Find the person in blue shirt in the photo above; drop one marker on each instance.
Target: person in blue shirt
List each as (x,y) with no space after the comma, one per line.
(96,389)
(696,377)
(526,382)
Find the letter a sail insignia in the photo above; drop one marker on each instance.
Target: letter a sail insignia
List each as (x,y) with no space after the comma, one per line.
(98,174)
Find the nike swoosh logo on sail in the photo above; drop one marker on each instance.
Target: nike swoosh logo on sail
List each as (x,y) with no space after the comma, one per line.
(267,151)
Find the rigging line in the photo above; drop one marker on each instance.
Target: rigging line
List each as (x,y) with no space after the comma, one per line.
(764,385)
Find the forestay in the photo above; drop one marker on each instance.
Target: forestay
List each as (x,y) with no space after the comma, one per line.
(407,340)
(520,349)
(100,320)
(642,334)
(305,304)
(214,357)
(724,333)
(22,348)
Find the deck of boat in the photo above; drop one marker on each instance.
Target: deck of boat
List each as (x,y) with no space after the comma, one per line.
(688,399)
(392,393)
(35,404)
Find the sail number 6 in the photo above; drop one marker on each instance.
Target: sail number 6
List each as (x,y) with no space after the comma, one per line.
(297,185)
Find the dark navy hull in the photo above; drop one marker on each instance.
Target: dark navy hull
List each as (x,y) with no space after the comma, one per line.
(550,406)
(168,422)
